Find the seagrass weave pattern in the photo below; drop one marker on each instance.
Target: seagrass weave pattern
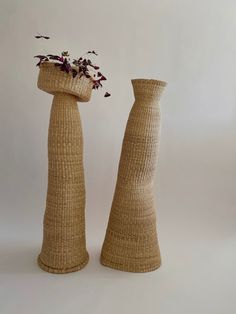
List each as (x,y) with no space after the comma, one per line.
(64,244)
(52,80)
(131,238)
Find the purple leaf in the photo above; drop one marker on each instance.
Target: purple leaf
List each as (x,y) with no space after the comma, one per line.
(55,57)
(103,78)
(66,67)
(40,56)
(74,73)
(43,37)
(41,59)
(93,52)
(75,62)
(65,54)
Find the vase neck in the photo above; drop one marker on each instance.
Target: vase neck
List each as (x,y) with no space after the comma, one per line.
(148,91)
(64,102)
(60,96)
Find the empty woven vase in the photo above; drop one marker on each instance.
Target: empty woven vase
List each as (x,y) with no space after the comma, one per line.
(131,238)
(64,244)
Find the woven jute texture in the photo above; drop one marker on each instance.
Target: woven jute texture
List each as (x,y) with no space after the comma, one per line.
(64,244)
(52,80)
(131,242)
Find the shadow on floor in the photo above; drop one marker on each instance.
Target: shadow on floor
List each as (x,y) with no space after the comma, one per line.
(23,260)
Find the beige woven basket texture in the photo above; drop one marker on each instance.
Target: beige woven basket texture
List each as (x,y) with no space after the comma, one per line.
(64,242)
(131,242)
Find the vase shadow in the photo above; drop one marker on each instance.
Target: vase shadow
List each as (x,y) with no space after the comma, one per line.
(23,260)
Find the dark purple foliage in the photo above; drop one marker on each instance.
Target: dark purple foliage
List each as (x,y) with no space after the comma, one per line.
(74,73)
(103,78)
(65,54)
(42,37)
(41,59)
(93,52)
(54,57)
(78,67)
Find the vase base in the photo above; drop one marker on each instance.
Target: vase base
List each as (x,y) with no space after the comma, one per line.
(129,266)
(53,270)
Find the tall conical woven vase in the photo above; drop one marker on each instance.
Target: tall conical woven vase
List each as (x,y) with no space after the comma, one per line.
(64,244)
(131,242)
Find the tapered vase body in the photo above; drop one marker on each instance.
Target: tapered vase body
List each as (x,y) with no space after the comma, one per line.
(131,242)
(64,242)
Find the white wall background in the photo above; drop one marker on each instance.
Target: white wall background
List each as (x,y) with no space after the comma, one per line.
(190,44)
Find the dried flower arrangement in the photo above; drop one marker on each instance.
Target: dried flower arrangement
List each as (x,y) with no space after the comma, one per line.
(77,67)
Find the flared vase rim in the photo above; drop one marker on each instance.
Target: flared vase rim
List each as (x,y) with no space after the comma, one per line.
(150,82)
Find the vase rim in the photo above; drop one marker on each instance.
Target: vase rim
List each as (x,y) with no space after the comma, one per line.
(152,82)
(52,81)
